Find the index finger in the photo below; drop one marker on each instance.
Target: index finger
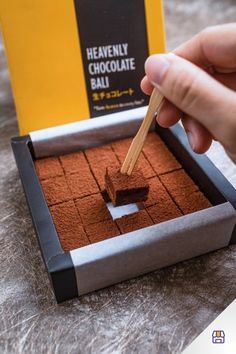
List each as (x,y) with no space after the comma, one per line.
(214,46)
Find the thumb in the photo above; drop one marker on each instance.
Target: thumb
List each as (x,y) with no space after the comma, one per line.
(193,91)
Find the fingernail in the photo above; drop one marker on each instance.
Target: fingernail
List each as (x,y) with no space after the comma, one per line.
(156,67)
(160,120)
(191,139)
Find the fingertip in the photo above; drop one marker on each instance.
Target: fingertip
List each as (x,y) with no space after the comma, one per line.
(202,145)
(203,141)
(199,138)
(150,60)
(146,86)
(168,115)
(156,67)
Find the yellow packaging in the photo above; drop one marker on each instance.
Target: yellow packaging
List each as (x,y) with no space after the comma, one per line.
(71,60)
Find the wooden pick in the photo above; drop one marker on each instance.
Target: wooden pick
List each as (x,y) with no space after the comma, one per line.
(139,139)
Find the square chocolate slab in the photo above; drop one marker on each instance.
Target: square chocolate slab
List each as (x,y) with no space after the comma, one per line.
(179,229)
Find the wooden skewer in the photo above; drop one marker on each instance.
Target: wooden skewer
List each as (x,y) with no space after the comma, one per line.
(138,141)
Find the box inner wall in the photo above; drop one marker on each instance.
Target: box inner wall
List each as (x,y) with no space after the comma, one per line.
(75,192)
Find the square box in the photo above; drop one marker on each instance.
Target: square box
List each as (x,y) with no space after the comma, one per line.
(122,257)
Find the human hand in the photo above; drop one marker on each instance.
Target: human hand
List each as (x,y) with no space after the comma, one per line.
(198,81)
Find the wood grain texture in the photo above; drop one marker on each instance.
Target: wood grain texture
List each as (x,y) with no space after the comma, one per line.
(158,313)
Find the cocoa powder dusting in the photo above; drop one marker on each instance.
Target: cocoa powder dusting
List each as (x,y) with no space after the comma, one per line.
(74,188)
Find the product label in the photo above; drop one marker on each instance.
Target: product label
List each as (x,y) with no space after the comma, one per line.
(113,40)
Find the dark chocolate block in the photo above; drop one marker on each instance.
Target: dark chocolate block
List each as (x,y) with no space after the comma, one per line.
(121,148)
(157,193)
(160,158)
(195,201)
(48,168)
(82,184)
(56,190)
(124,189)
(99,159)
(178,183)
(135,221)
(68,225)
(74,163)
(163,211)
(181,187)
(184,191)
(93,209)
(101,231)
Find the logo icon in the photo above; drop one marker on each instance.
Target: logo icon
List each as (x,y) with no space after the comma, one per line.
(218,337)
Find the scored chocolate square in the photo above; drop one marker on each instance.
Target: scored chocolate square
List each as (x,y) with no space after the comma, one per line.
(121,148)
(195,202)
(135,221)
(101,231)
(157,193)
(75,162)
(93,209)
(82,184)
(56,190)
(159,156)
(99,159)
(124,189)
(179,183)
(184,191)
(68,225)
(48,168)
(163,211)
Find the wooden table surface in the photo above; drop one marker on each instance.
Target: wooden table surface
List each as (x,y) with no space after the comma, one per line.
(161,312)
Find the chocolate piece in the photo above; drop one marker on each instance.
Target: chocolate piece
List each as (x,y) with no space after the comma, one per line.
(135,221)
(73,163)
(68,226)
(185,192)
(153,139)
(124,189)
(160,158)
(163,211)
(157,193)
(82,184)
(93,209)
(180,186)
(195,201)
(101,231)
(121,148)
(178,183)
(48,168)
(99,159)
(56,190)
